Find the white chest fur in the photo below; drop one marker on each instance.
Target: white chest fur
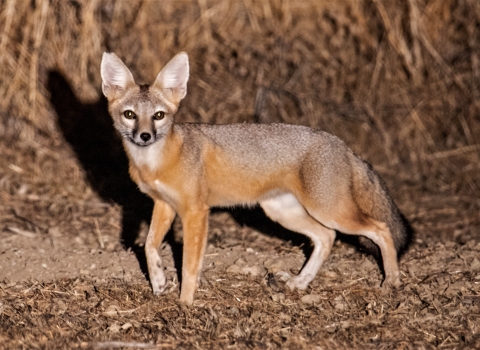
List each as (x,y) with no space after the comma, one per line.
(157,189)
(150,156)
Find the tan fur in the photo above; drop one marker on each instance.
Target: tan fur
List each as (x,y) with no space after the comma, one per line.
(305,179)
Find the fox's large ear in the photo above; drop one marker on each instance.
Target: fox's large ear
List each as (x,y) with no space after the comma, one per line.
(115,75)
(174,76)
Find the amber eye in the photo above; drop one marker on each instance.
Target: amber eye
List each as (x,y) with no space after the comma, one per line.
(129,114)
(158,115)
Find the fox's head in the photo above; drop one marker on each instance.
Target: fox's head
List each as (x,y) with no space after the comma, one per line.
(143,114)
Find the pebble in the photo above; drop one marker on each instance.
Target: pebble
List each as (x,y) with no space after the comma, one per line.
(311,299)
(233,311)
(277,297)
(274,265)
(254,270)
(111,311)
(126,326)
(114,328)
(331,274)
(283,276)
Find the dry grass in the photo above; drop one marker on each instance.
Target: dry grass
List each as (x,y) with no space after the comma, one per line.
(397,80)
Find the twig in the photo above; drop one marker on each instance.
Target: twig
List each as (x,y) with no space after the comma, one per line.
(24,233)
(453,152)
(99,234)
(121,344)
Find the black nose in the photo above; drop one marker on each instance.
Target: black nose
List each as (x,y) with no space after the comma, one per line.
(145,136)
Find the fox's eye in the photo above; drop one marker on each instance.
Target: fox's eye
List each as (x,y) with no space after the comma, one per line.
(158,115)
(129,114)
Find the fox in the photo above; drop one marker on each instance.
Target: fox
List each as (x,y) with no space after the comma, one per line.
(305,179)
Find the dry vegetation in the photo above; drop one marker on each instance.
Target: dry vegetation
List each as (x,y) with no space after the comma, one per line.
(397,80)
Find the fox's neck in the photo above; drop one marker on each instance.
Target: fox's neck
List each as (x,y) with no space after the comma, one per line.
(151,156)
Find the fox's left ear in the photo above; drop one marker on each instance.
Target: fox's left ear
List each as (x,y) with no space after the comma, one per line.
(174,76)
(116,77)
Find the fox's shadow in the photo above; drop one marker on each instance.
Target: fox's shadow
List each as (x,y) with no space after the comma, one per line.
(89,131)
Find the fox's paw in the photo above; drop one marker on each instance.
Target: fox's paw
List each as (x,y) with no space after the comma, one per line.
(158,281)
(392,282)
(299,282)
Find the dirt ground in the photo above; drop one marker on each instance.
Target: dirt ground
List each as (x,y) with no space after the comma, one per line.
(67,282)
(398,81)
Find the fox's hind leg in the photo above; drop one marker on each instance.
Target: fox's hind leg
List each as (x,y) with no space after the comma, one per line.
(162,219)
(380,234)
(287,211)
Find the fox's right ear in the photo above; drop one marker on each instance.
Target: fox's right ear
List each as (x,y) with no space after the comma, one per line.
(174,77)
(115,76)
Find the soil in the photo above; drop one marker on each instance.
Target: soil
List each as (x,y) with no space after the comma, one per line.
(67,281)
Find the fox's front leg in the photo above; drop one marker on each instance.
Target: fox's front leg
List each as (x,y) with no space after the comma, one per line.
(162,218)
(195,227)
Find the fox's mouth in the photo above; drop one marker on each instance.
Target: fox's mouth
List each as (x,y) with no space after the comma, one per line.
(143,144)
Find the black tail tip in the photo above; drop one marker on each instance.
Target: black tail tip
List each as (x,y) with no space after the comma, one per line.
(404,242)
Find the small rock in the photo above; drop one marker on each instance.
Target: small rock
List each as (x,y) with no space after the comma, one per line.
(126,326)
(111,311)
(274,265)
(278,297)
(283,276)
(311,299)
(114,328)
(331,274)
(233,311)
(253,270)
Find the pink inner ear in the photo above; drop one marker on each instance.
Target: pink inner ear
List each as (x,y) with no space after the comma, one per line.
(175,74)
(114,73)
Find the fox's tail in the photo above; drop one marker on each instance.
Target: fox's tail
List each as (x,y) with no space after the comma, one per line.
(371,196)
